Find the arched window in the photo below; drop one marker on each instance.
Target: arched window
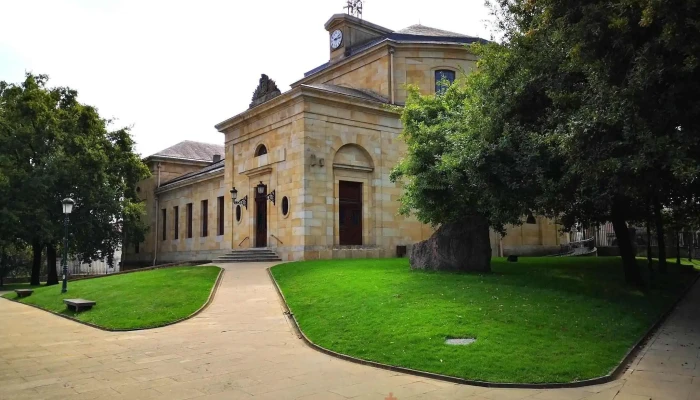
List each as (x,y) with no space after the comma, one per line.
(238,213)
(260,150)
(443,79)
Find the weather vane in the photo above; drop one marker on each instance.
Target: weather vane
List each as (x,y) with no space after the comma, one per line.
(354,7)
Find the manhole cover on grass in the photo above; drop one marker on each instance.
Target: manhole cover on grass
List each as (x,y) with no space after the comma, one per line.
(460,341)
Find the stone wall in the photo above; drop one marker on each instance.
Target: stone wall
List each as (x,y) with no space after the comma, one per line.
(202,245)
(417,66)
(279,127)
(167,170)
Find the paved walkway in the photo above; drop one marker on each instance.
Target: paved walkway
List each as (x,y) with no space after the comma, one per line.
(242,347)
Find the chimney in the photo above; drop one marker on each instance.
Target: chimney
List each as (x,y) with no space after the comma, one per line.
(216,158)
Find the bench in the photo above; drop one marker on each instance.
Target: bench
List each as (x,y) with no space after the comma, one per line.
(79,304)
(24,292)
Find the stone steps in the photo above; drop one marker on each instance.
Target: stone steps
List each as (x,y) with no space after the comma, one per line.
(249,255)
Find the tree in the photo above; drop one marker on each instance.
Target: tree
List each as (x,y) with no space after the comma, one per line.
(13,257)
(448,175)
(52,147)
(587,112)
(612,89)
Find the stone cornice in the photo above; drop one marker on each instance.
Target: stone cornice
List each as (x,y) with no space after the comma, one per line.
(377,107)
(260,110)
(299,93)
(354,20)
(353,167)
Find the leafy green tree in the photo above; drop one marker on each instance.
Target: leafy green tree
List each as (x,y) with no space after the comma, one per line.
(52,147)
(611,90)
(587,112)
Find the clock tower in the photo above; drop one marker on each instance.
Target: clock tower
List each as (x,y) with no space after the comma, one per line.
(346,32)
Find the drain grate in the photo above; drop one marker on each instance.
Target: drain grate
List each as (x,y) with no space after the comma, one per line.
(460,341)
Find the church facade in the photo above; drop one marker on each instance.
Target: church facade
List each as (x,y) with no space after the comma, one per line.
(306,172)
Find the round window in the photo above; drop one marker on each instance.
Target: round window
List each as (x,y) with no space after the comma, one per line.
(238,213)
(285,205)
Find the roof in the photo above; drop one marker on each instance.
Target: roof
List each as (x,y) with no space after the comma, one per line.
(413,34)
(189,150)
(215,167)
(422,30)
(362,94)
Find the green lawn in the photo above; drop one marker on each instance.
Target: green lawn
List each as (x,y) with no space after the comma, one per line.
(133,301)
(538,320)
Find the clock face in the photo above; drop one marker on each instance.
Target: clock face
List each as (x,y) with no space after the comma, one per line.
(336,39)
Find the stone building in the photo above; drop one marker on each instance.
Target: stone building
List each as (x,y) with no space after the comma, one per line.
(311,166)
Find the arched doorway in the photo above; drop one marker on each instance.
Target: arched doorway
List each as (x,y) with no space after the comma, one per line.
(352,168)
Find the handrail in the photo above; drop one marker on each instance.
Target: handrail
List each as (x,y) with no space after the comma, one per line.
(246,238)
(278,239)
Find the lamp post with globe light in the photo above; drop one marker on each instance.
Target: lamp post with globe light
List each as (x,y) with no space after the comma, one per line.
(68,204)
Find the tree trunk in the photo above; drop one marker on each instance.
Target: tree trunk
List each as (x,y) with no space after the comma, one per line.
(462,246)
(660,241)
(678,248)
(691,246)
(3,266)
(624,243)
(649,262)
(36,263)
(51,263)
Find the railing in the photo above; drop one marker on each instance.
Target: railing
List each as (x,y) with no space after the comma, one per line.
(246,238)
(577,247)
(99,267)
(604,236)
(278,239)
(78,268)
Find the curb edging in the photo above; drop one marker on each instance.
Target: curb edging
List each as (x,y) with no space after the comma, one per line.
(212,293)
(613,375)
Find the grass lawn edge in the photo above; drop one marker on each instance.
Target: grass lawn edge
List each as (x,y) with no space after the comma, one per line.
(212,293)
(613,375)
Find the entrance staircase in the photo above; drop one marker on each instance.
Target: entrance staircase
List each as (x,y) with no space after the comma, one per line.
(261,254)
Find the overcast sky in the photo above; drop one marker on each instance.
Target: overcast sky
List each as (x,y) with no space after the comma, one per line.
(173,69)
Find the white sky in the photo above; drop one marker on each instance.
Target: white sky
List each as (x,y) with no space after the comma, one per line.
(173,69)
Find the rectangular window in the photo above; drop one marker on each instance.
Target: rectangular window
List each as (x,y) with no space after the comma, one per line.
(205,218)
(220,209)
(164,215)
(189,220)
(176,222)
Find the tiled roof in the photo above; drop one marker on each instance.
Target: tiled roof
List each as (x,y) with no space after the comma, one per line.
(208,169)
(422,30)
(189,150)
(362,94)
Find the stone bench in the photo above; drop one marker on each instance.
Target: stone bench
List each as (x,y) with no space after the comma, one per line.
(79,304)
(24,292)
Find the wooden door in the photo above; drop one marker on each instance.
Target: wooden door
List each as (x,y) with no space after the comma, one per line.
(260,218)
(350,210)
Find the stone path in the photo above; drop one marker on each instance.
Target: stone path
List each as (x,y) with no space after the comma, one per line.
(242,347)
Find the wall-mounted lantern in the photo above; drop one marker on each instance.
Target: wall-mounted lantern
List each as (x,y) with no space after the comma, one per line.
(243,202)
(261,190)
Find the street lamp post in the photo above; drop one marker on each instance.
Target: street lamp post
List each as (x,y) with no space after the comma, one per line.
(68,204)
